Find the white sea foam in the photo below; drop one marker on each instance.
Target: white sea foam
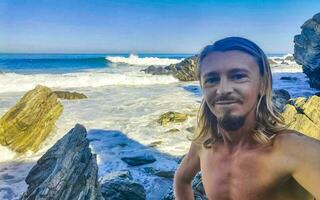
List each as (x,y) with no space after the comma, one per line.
(281,59)
(136,60)
(12,82)
(6,154)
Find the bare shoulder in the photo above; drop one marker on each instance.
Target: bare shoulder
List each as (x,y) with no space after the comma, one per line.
(293,139)
(296,146)
(301,154)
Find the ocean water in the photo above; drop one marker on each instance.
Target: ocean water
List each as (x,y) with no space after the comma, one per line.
(123,102)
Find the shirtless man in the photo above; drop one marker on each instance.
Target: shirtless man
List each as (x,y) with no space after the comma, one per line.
(242,150)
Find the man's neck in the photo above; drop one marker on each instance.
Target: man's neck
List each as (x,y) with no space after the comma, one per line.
(241,138)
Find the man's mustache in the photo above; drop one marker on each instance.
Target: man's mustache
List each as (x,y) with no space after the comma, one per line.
(227,98)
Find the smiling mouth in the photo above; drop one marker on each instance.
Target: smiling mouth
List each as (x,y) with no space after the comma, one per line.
(226,102)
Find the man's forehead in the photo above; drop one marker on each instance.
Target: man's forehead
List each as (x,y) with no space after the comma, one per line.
(228,61)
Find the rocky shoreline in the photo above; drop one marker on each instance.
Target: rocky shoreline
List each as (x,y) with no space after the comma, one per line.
(69,169)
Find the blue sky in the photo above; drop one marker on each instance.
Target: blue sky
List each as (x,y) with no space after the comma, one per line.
(136,26)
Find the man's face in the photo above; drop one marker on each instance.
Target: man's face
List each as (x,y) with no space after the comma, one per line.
(231,83)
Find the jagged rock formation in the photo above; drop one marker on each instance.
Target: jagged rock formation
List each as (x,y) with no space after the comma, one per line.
(307,49)
(70,95)
(175,117)
(186,69)
(27,124)
(303,115)
(67,171)
(120,186)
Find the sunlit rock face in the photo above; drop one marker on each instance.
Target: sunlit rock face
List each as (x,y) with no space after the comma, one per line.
(28,123)
(303,115)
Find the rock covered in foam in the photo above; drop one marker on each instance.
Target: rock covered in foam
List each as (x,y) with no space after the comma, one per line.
(27,124)
(68,170)
(303,115)
(120,186)
(70,95)
(307,51)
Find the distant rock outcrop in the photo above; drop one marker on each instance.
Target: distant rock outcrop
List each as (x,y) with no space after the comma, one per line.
(67,171)
(70,95)
(307,51)
(303,115)
(27,124)
(184,70)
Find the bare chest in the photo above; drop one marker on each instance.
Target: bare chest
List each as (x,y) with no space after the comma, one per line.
(247,175)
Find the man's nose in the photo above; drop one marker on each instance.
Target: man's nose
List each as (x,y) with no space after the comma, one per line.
(224,87)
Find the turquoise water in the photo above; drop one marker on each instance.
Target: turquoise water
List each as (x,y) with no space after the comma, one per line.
(63,63)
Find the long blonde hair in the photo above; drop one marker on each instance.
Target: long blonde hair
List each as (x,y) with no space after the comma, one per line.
(268,119)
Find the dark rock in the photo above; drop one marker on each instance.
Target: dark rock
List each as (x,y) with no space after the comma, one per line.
(284,63)
(191,129)
(307,50)
(160,173)
(289,78)
(27,124)
(165,174)
(154,144)
(120,186)
(139,159)
(173,130)
(197,187)
(68,170)
(278,59)
(6,177)
(280,98)
(289,58)
(70,95)
(157,70)
(317,94)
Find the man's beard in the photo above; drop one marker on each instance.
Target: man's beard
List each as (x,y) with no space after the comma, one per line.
(231,123)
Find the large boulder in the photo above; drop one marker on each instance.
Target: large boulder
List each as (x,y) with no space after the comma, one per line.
(27,124)
(121,186)
(303,115)
(67,171)
(307,49)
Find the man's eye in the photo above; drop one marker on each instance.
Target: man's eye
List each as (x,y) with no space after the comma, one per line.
(212,80)
(238,76)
